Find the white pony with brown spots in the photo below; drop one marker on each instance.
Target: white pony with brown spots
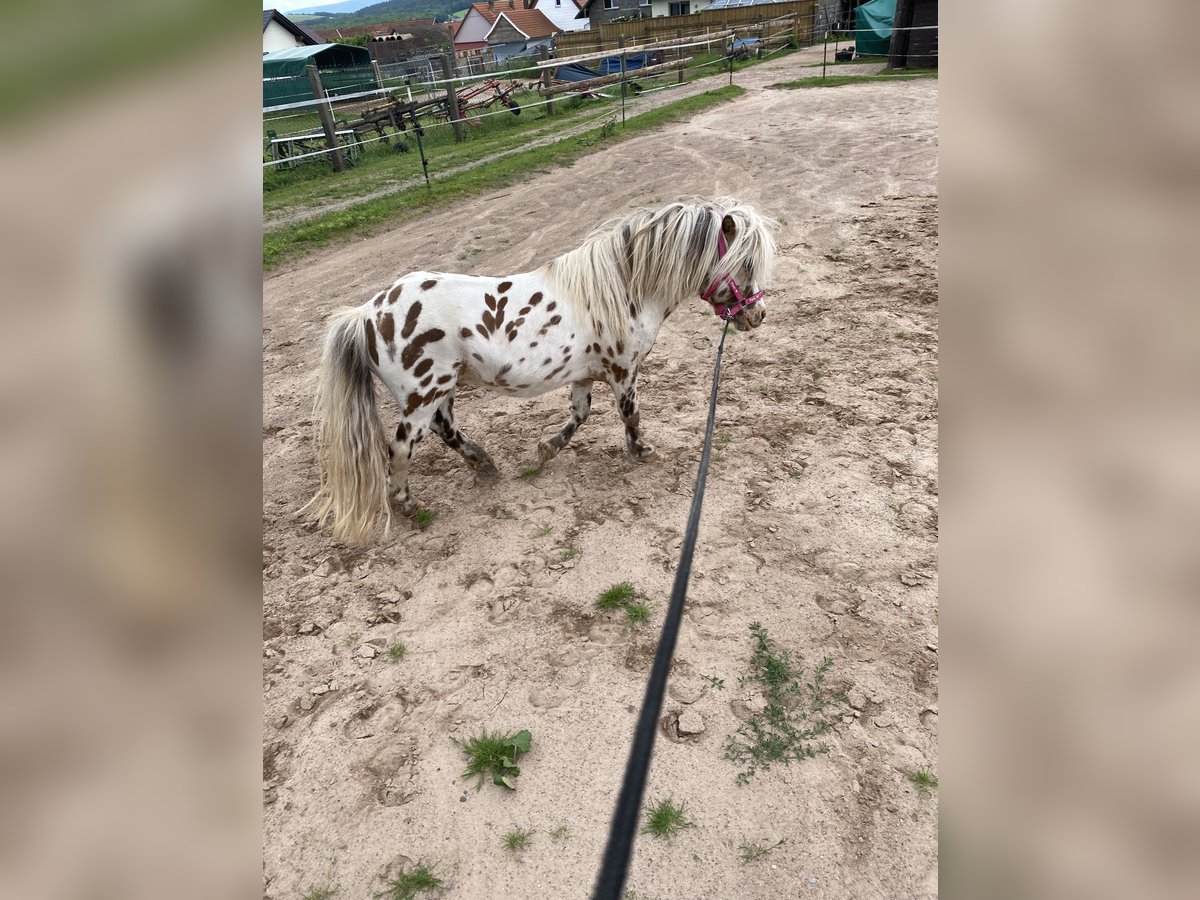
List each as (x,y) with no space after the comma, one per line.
(590,315)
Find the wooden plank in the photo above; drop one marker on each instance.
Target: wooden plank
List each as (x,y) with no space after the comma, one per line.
(716,36)
(567,87)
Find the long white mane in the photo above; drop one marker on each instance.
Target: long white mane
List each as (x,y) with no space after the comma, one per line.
(663,255)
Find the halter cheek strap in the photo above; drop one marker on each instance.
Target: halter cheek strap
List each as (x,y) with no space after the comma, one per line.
(728,311)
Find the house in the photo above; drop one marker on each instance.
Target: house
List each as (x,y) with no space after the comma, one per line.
(562,13)
(502,29)
(281,33)
(608,10)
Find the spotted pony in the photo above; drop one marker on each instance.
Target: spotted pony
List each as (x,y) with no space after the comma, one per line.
(589,315)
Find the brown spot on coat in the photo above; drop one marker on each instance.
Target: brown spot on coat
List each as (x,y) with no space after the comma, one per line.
(445,378)
(410,321)
(547,360)
(595,348)
(414,400)
(535,299)
(489,321)
(422,367)
(425,382)
(490,301)
(504,286)
(619,373)
(524,310)
(394,293)
(551,306)
(417,346)
(371,342)
(466,333)
(379,298)
(426,285)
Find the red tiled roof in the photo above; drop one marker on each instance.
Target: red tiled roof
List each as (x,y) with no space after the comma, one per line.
(531,22)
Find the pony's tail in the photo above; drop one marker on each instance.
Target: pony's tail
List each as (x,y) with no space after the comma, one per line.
(351,445)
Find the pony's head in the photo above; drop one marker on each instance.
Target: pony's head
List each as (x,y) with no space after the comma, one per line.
(745,252)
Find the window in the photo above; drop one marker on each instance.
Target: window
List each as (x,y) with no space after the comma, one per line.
(558,2)
(643,2)
(679,9)
(611,4)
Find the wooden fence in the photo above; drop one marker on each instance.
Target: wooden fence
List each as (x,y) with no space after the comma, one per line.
(800,13)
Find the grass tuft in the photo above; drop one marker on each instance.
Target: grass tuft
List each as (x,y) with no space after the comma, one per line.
(352,639)
(320,893)
(407,885)
(752,851)
(545,530)
(569,554)
(517,840)
(495,754)
(794,715)
(423,518)
(925,782)
(396,652)
(665,819)
(636,613)
(616,597)
(561,833)
(530,473)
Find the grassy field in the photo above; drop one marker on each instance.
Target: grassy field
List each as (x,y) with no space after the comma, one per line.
(292,241)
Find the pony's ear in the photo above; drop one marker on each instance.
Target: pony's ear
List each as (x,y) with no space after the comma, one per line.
(728,228)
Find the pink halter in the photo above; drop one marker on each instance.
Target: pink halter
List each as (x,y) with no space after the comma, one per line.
(724,311)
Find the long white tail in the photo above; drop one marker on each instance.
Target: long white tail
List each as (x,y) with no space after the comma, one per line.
(351,445)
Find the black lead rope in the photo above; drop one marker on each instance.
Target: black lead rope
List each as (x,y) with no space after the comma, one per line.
(625,819)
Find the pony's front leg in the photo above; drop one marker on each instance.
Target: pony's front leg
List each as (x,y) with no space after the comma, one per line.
(625,392)
(474,455)
(581,405)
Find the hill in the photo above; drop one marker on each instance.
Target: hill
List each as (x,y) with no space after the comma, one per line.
(390,11)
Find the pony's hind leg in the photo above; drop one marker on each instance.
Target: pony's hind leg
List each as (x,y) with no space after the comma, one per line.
(408,434)
(581,405)
(476,457)
(625,392)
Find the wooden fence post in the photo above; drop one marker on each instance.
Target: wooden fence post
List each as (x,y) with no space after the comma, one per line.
(679,52)
(760,36)
(326,114)
(621,47)
(378,74)
(452,98)
(546,81)
(796,31)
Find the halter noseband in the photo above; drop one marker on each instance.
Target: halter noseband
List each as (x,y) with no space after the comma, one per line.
(730,310)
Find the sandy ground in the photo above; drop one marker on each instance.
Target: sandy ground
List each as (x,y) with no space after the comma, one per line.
(820,522)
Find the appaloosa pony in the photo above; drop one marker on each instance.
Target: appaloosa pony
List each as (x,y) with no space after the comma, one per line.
(591,314)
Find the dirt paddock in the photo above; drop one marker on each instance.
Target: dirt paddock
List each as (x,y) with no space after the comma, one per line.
(820,523)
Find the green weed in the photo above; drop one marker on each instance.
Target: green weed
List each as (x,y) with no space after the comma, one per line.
(396,652)
(320,893)
(616,597)
(407,885)
(636,613)
(925,782)
(495,754)
(717,683)
(561,833)
(545,530)
(529,474)
(352,639)
(423,518)
(517,840)
(665,819)
(752,851)
(568,554)
(792,717)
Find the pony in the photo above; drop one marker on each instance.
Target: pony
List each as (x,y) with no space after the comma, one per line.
(589,315)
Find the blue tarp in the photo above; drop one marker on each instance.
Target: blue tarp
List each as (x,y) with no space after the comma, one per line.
(575,72)
(612,65)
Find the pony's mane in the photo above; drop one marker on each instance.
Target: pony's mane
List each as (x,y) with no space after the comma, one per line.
(663,254)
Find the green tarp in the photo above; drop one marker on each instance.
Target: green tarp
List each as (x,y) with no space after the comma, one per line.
(344,70)
(873,27)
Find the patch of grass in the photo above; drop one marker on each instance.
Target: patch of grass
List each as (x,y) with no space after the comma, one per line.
(719,457)
(795,473)
(717,683)
(568,554)
(901,334)
(292,241)
(545,530)
(529,474)
(561,833)
(396,652)
(665,819)
(423,518)
(495,754)
(839,80)
(517,840)
(616,597)
(925,782)
(320,893)
(752,851)
(722,440)
(407,885)
(636,613)
(352,639)
(794,714)
(507,514)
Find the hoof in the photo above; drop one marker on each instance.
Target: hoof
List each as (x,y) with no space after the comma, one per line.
(546,452)
(407,507)
(647,455)
(486,471)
